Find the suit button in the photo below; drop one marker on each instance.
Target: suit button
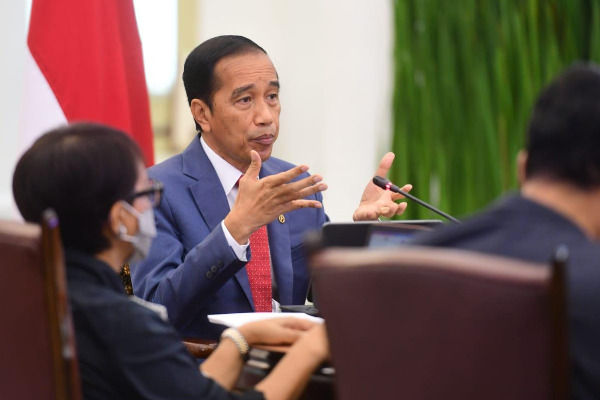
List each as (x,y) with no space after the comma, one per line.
(214,269)
(220,264)
(209,275)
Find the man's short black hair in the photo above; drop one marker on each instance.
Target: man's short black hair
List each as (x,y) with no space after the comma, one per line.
(198,71)
(80,171)
(564,131)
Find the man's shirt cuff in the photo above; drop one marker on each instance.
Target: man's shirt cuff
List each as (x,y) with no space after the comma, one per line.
(238,249)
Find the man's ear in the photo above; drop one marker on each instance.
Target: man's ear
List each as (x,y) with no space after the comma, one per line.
(201,113)
(521,166)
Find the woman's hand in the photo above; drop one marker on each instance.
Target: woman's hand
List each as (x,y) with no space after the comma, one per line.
(290,375)
(315,342)
(275,331)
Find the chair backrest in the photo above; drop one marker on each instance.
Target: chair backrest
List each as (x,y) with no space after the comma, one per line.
(423,323)
(37,339)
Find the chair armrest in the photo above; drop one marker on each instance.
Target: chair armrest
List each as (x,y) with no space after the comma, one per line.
(199,348)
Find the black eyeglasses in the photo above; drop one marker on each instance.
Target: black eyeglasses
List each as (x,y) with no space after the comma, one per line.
(154,193)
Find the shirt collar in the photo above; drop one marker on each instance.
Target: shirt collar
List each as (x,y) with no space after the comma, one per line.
(227,173)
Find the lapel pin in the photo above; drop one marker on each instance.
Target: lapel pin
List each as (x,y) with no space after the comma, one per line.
(281,219)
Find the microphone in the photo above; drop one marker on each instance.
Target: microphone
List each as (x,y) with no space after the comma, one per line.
(386,184)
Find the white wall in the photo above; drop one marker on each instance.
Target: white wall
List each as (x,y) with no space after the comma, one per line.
(12,51)
(334,63)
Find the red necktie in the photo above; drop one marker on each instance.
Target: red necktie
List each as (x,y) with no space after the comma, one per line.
(259,271)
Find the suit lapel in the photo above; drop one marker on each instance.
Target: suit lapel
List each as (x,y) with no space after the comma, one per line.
(207,191)
(281,258)
(242,277)
(209,197)
(279,246)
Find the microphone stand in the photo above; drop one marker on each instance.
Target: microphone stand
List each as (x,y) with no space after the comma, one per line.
(386,184)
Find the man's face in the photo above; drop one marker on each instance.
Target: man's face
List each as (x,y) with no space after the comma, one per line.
(245,109)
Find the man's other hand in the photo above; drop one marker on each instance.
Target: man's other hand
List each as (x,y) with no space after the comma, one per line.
(376,202)
(260,201)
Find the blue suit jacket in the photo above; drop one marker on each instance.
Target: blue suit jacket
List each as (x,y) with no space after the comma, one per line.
(191,269)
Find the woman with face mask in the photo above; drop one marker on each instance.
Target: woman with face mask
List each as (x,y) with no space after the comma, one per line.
(94,178)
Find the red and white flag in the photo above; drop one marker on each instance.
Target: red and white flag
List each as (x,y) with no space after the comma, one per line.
(85,64)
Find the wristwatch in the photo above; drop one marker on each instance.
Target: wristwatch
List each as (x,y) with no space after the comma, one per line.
(238,339)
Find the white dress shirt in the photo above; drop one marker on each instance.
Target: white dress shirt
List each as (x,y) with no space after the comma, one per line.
(228,176)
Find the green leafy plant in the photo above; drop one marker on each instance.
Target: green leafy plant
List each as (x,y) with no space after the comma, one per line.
(466,75)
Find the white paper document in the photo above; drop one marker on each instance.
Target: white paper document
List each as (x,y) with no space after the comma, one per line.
(239,319)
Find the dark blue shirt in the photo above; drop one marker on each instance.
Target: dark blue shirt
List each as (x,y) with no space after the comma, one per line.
(125,350)
(520,228)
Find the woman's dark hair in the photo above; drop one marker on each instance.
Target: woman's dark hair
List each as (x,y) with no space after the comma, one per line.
(198,71)
(564,131)
(80,171)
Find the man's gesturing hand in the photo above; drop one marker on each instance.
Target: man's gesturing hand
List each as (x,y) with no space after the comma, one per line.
(376,202)
(260,201)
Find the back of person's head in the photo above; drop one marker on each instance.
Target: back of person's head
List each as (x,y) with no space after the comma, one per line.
(198,71)
(80,171)
(564,131)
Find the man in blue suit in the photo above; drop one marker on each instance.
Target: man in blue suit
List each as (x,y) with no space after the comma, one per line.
(224,188)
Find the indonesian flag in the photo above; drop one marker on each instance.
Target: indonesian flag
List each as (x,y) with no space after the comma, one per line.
(85,64)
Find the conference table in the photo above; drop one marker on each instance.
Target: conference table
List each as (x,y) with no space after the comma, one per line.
(264,358)
(261,362)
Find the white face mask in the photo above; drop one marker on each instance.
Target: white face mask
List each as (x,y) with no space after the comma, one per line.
(142,240)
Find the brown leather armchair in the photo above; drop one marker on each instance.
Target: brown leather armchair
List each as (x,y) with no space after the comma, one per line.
(423,323)
(37,340)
